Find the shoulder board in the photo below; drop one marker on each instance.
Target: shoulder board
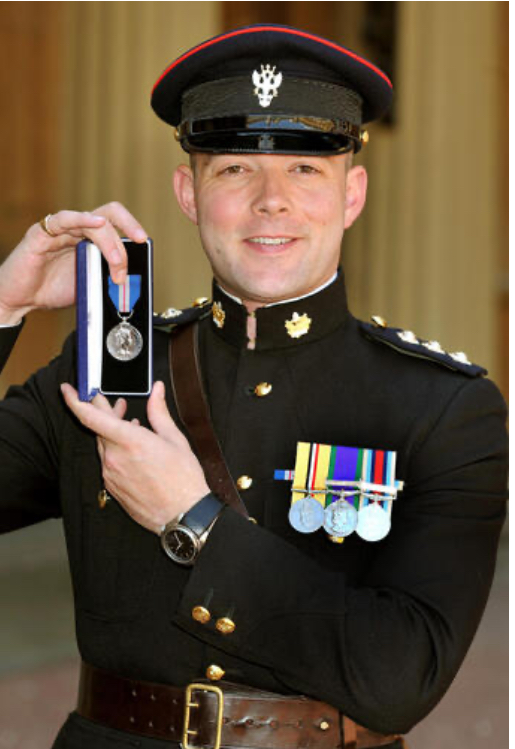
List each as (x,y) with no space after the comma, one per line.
(408,343)
(172,317)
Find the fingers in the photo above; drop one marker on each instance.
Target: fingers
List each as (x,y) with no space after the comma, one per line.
(66,222)
(101,227)
(119,409)
(104,423)
(111,245)
(101,449)
(159,415)
(120,217)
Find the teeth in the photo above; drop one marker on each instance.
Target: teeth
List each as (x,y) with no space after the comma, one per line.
(270,240)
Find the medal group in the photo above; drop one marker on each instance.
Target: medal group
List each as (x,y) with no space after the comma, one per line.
(342,489)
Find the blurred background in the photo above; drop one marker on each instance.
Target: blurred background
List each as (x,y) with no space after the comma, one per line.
(429,253)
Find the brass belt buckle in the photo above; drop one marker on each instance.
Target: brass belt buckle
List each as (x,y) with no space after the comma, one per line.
(189,703)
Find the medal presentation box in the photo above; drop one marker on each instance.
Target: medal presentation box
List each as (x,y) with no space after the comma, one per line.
(114,323)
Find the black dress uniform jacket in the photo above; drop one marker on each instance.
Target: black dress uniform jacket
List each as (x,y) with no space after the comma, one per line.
(377,629)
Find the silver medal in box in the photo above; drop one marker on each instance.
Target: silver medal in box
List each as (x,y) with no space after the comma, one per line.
(124,342)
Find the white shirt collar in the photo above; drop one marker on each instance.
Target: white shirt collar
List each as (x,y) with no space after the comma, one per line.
(287,301)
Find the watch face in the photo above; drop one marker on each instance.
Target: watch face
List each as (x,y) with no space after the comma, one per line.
(181,544)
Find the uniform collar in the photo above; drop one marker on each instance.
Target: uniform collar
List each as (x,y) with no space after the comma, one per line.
(285,325)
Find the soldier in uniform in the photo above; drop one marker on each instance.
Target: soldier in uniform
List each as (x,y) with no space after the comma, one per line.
(249,631)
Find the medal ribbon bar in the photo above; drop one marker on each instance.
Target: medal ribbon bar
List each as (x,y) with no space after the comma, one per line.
(125,295)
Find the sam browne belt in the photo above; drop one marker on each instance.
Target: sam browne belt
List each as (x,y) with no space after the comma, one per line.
(225,715)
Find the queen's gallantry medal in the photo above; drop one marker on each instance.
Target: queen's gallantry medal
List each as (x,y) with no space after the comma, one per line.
(124,342)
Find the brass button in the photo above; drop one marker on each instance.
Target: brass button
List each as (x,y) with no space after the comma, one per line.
(244,482)
(214,672)
(201,614)
(324,725)
(200,301)
(103,498)
(225,625)
(379,321)
(264,388)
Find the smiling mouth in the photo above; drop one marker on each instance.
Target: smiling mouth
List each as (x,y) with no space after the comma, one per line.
(271,241)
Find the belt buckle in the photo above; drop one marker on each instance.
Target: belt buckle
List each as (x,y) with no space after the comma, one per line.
(189,703)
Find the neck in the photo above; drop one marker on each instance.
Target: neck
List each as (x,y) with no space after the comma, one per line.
(251,305)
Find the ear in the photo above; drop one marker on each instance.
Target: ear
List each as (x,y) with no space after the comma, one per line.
(183,185)
(356,194)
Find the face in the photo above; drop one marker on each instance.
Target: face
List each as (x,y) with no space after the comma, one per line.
(271,225)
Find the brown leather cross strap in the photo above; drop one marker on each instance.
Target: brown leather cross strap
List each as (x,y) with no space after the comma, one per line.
(193,408)
(221,715)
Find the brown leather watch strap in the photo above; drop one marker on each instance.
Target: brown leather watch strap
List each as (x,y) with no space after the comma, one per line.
(221,715)
(193,408)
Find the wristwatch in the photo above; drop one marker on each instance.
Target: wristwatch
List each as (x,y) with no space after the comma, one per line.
(183,538)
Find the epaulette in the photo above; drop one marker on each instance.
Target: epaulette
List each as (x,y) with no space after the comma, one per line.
(173,317)
(406,342)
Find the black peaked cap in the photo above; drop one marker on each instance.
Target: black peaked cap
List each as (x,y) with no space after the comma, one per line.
(215,79)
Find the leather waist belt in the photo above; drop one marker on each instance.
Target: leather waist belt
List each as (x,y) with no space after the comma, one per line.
(213,716)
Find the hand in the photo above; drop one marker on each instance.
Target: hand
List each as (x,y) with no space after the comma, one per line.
(153,474)
(40,271)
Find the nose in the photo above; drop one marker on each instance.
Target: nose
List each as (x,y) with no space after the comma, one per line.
(272,193)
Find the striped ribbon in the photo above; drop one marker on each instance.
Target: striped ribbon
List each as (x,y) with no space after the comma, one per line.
(318,464)
(124,296)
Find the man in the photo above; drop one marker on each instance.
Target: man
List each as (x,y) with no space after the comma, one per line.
(257,613)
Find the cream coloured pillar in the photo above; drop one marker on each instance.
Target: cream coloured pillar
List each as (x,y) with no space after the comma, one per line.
(425,254)
(114,146)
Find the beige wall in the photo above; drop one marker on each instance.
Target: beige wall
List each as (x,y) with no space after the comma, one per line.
(115,147)
(427,251)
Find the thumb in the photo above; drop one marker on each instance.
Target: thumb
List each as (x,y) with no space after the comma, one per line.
(159,415)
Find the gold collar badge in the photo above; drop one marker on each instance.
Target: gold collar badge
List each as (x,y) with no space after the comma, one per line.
(218,314)
(298,326)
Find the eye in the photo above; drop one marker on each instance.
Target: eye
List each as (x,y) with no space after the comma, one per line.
(306,169)
(233,169)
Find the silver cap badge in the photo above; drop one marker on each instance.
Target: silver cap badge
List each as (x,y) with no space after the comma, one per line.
(266,84)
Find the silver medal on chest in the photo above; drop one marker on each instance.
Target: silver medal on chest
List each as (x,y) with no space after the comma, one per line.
(373,522)
(341,518)
(306,515)
(124,342)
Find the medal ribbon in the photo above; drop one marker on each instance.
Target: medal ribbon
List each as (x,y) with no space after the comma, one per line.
(316,464)
(124,296)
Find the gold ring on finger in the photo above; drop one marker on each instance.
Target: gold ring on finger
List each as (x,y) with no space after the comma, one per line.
(44,225)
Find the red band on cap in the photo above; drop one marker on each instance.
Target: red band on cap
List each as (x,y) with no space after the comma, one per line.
(293,32)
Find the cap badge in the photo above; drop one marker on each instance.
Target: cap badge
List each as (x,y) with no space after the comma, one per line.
(266,84)
(218,314)
(298,326)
